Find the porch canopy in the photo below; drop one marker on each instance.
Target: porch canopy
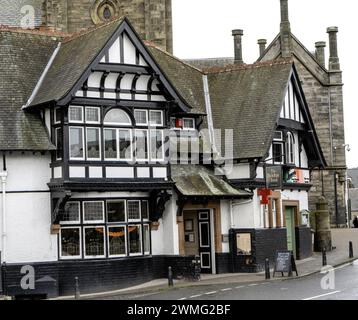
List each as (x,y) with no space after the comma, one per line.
(198,181)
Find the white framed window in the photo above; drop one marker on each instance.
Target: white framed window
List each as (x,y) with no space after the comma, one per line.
(93,212)
(125,145)
(157,145)
(93,139)
(76,143)
(188,124)
(59,143)
(93,115)
(71,214)
(94,242)
(290,146)
(156,118)
(141,145)
(117,117)
(58,115)
(75,114)
(116,211)
(117,241)
(146,239)
(135,239)
(70,243)
(278,153)
(141,117)
(110,144)
(145,210)
(134,210)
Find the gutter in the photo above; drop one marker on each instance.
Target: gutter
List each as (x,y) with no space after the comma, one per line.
(3,177)
(42,78)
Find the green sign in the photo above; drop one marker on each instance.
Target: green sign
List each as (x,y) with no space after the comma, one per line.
(273,176)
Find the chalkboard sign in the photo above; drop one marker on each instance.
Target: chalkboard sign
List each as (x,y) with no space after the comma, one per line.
(285,263)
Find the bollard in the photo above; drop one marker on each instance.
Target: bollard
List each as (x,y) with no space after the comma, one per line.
(77,289)
(324,257)
(267,269)
(170,277)
(351,253)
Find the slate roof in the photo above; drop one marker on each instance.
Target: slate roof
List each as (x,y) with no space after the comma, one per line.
(23,57)
(248,99)
(187,79)
(73,58)
(196,180)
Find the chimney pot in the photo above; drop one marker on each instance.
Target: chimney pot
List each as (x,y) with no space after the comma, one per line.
(237,34)
(262,44)
(333,49)
(320,53)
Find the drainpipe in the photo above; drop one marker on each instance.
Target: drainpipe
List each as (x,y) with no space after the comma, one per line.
(3,176)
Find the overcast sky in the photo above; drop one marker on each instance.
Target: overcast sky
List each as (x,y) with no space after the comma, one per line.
(202,29)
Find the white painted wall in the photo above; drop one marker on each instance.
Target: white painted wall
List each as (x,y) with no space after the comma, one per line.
(302,197)
(247,213)
(225,222)
(28,214)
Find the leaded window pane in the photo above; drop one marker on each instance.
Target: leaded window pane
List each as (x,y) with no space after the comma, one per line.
(116,211)
(117,241)
(189,124)
(93,211)
(135,243)
(141,117)
(117,116)
(70,242)
(92,115)
(133,210)
(71,212)
(94,242)
(75,114)
(156,118)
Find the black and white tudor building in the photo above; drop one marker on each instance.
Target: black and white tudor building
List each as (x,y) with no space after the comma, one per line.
(90,188)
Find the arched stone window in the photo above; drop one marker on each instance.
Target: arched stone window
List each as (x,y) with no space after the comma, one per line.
(117,117)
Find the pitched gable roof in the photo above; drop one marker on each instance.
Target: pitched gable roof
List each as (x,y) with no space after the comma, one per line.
(187,79)
(23,57)
(74,57)
(248,99)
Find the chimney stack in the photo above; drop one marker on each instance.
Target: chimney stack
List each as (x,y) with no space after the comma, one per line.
(285,30)
(237,34)
(333,49)
(262,44)
(320,53)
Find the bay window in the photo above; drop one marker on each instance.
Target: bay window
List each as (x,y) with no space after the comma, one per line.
(156,145)
(141,143)
(93,144)
(110,228)
(94,242)
(117,246)
(70,244)
(76,143)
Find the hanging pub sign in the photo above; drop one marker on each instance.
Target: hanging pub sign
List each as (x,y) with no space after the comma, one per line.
(273,175)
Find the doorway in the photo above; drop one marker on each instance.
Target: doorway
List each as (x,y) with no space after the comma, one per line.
(198,237)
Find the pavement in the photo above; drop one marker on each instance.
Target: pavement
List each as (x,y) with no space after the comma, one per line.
(339,256)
